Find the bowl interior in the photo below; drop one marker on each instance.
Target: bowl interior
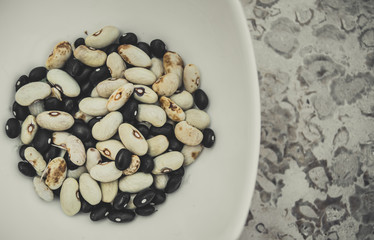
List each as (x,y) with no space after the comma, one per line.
(215,194)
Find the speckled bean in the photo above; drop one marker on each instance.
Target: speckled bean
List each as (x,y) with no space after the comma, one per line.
(59,56)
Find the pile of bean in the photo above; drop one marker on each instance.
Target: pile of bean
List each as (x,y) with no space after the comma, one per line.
(109,124)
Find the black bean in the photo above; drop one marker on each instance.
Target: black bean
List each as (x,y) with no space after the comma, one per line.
(105,159)
(145,47)
(111,48)
(37,74)
(128,65)
(123,159)
(178,172)
(158,48)
(42,140)
(86,89)
(120,216)
(173,184)
(70,105)
(51,153)
(22,81)
(201,99)
(133,122)
(57,192)
(53,104)
(129,110)
(159,197)
(128,38)
(146,164)
(90,143)
(144,197)
(26,169)
(99,74)
(116,137)
(70,165)
(20,112)
(21,151)
(81,130)
(167,130)
(146,210)
(74,67)
(175,144)
(13,128)
(85,206)
(208,137)
(143,129)
(78,42)
(84,76)
(100,211)
(121,200)
(93,121)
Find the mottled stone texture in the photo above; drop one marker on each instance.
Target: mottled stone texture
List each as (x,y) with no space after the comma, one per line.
(315,63)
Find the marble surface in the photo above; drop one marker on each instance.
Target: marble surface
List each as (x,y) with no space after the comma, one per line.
(316,72)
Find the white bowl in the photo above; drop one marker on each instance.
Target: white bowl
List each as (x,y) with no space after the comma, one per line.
(214,198)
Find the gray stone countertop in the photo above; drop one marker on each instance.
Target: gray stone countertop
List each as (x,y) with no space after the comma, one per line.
(315,62)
